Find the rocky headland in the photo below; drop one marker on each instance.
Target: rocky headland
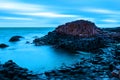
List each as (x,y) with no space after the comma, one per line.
(78,35)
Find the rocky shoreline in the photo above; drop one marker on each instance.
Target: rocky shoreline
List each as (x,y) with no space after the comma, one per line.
(11,71)
(104,65)
(74,36)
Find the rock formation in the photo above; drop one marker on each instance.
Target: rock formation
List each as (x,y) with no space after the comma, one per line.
(80,28)
(3,45)
(15,38)
(77,35)
(11,71)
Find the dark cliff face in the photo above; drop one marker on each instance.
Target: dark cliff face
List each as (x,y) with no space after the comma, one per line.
(80,28)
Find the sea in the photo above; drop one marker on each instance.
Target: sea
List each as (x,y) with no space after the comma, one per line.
(35,58)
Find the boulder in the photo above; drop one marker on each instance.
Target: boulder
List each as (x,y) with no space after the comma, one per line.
(3,45)
(15,38)
(27,42)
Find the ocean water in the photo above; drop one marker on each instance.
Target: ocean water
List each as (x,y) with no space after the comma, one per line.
(35,58)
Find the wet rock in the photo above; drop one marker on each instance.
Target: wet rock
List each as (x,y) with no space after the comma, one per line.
(116,73)
(111,67)
(27,42)
(47,73)
(38,42)
(15,38)
(11,71)
(3,45)
(118,67)
(118,46)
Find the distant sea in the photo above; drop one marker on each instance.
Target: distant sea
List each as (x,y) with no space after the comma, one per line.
(35,58)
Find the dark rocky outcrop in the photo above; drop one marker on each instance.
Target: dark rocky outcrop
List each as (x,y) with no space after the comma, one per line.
(77,35)
(3,45)
(80,28)
(11,71)
(15,38)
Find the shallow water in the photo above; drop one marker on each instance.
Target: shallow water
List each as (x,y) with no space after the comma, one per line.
(35,58)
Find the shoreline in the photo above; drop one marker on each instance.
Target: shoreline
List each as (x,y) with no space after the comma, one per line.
(74,36)
(104,65)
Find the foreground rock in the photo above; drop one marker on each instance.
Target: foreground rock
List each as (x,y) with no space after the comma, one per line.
(3,45)
(77,35)
(11,71)
(15,38)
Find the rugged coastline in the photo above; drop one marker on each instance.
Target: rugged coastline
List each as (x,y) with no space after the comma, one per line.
(80,35)
(104,65)
(11,71)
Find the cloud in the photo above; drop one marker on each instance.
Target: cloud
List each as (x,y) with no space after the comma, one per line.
(18,6)
(31,10)
(108,25)
(110,20)
(47,14)
(15,18)
(99,10)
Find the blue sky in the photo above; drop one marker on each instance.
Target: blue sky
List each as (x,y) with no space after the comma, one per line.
(51,13)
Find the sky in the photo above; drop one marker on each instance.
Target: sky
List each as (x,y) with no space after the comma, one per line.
(51,13)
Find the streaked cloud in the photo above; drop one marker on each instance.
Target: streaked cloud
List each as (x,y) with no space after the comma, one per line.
(15,18)
(18,6)
(100,10)
(31,10)
(108,25)
(110,20)
(47,14)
